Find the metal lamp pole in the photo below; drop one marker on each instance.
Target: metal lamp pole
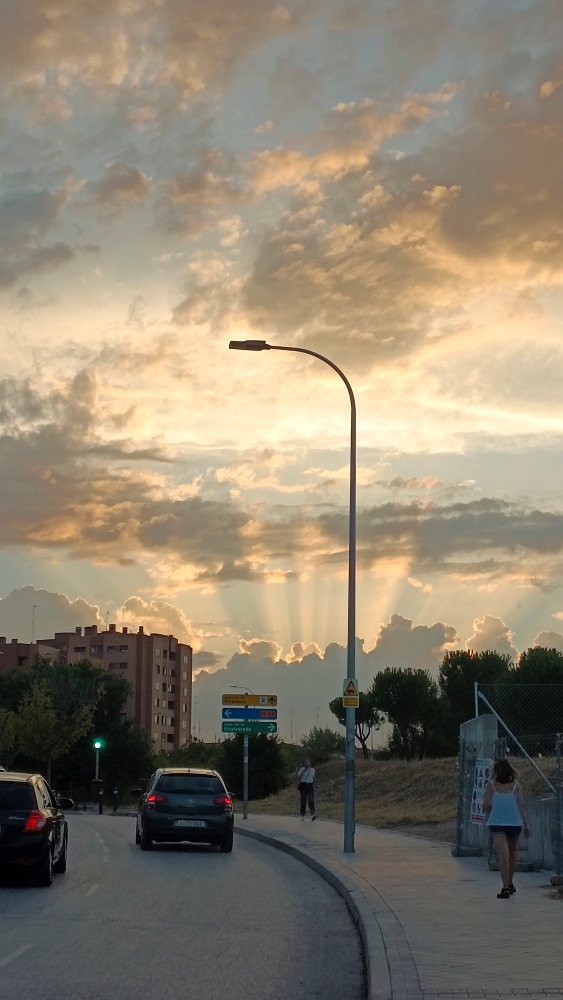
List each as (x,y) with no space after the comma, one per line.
(349,788)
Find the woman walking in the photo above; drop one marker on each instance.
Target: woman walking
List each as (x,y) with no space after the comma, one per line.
(506,814)
(306,788)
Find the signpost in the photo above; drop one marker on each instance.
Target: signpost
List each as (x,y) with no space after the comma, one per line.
(247,700)
(244,714)
(236,726)
(250,713)
(350,693)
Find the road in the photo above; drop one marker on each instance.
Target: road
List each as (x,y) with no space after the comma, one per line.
(176,923)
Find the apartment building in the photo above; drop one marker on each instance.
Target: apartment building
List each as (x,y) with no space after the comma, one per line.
(158,668)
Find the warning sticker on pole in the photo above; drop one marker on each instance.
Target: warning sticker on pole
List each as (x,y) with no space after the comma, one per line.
(482,775)
(350,693)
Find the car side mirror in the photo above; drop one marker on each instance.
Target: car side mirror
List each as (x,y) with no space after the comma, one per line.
(137,791)
(65,803)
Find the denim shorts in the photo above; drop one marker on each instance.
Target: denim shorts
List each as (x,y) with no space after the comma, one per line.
(509,831)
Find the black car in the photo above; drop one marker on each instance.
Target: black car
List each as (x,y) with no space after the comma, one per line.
(33,828)
(184,803)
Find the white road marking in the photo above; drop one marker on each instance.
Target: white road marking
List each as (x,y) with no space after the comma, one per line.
(93,888)
(15,954)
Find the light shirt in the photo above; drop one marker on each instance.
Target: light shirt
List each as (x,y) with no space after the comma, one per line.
(306,774)
(505,809)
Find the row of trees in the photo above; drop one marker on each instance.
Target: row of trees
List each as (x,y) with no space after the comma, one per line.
(425,714)
(51,712)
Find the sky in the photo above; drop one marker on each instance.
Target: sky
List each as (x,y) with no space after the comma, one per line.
(378,181)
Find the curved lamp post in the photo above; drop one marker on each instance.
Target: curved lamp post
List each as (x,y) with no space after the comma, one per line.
(349,790)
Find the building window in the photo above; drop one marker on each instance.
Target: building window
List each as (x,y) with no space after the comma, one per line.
(171,705)
(164,670)
(156,702)
(172,688)
(163,737)
(184,724)
(157,652)
(112,666)
(155,736)
(185,692)
(172,656)
(110,649)
(164,654)
(156,719)
(123,649)
(157,685)
(80,649)
(157,668)
(123,665)
(185,660)
(164,685)
(170,738)
(95,649)
(172,673)
(184,708)
(185,675)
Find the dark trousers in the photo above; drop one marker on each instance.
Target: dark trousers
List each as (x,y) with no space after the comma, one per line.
(307,793)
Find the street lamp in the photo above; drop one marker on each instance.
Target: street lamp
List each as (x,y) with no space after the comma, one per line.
(241,687)
(349,787)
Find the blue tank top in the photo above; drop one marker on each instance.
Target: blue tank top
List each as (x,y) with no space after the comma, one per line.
(505,810)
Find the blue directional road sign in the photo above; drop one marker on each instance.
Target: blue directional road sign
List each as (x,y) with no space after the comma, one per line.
(262,714)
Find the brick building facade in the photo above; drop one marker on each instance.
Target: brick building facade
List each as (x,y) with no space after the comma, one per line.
(158,668)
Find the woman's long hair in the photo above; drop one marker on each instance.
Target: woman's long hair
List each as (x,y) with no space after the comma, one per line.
(503,771)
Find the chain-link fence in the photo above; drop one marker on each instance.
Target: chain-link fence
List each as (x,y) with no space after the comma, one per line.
(530,724)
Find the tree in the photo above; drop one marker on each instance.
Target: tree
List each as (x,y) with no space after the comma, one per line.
(128,755)
(368,718)
(410,700)
(458,672)
(43,734)
(321,744)
(266,769)
(8,737)
(539,665)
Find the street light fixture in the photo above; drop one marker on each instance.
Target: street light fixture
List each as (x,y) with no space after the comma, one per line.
(349,787)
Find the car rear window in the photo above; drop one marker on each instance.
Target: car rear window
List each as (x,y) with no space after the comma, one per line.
(16,795)
(190,784)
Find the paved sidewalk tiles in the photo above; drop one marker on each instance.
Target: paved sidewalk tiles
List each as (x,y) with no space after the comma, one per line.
(446,935)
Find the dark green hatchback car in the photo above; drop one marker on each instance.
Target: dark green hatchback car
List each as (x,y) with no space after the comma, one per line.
(182,804)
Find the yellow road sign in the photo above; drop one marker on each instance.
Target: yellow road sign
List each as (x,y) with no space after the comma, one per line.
(351,693)
(250,700)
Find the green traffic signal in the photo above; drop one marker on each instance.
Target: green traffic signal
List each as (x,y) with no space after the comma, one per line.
(98,744)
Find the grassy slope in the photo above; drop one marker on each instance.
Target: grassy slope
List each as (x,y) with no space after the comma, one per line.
(419,796)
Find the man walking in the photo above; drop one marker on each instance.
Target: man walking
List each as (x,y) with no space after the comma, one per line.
(306,788)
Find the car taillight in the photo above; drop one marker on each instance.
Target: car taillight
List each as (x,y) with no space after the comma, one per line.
(35,821)
(225,801)
(153,799)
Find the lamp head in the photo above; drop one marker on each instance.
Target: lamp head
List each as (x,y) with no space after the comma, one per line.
(248,345)
(98,744)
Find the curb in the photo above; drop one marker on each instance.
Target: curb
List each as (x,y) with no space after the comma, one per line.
(375,955)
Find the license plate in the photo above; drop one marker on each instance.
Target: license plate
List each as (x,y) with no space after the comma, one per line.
(189,822)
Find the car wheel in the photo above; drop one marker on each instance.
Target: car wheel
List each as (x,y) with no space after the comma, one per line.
(44,875)
(226,845)
(60,866)
(146,842)
(137,834)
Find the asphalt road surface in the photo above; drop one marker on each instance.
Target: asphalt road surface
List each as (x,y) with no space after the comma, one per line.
(176,923)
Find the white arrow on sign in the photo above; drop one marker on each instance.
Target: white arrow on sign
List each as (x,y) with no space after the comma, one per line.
(228,713)
(272,727)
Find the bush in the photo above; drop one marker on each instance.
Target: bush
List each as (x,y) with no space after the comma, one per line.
(322,744)
(266,765)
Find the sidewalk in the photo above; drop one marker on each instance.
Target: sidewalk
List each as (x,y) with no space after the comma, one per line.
(445,934)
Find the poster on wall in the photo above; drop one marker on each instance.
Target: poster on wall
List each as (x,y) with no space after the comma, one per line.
(482,774)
